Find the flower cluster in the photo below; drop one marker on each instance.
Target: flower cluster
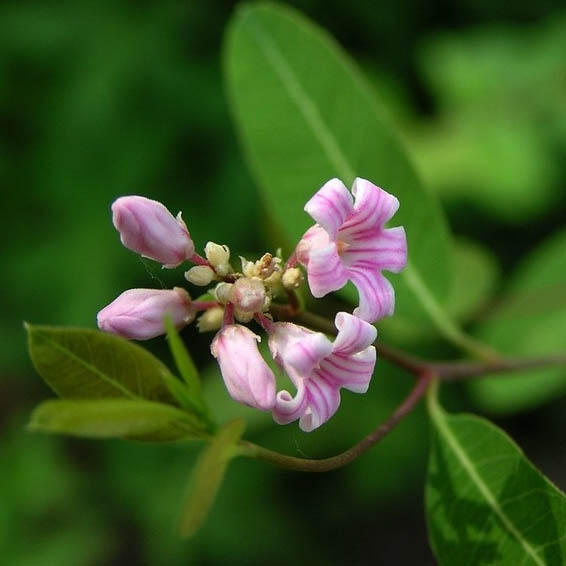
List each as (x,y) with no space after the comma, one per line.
(348,243)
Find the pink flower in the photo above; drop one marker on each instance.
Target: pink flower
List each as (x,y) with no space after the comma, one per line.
(246,375)
(148,228)
(319,368)
(138,313)
(349,242)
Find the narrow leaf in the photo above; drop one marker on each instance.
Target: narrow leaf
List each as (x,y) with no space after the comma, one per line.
(107,418)
(485,502)
(305,114)
(207,477)
(82,363)
(186,368)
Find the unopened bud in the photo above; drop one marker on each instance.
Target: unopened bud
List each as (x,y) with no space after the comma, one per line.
(216,254)
(292,278)
(248,295)
(138,313)
(222,292)
(210,320)
(200,275)
(149,229)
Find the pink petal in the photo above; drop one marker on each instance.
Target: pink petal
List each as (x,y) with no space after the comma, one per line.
(330,206)
(354,334)
(323,402)
(315,237)
(325,271)
(297,349)
(386,250)
(373,208)
(377,297)
(288,408)
(352,372)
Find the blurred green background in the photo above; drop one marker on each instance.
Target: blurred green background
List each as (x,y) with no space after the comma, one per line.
(104,99)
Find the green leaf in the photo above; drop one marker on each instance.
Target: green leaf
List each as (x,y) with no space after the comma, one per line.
(82,363)
(190,396)
(474,275)
(485,502)
(207,476)
(305,114)
(530,320)
(107,418)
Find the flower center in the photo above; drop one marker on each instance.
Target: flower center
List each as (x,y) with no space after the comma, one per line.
(342,246)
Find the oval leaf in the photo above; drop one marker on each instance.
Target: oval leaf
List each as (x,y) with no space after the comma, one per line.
(108,418)
(207,476)
(82,363)
(485,502)
(305,115)
(529,321)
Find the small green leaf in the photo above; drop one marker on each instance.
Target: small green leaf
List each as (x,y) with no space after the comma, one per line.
(207,476)
(530,320)
(82,363)
(485,502)
(186,368)
(108,418)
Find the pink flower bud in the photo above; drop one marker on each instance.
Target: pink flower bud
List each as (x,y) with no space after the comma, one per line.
(246,375)
(148,228)
(138,313)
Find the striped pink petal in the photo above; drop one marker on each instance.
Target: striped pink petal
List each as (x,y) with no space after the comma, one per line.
(351,243)
(386,250)
(323,401)
(330,206)
(373,208)
(354,334)
(319,369)
(325,271)
(296,349)
(377,297)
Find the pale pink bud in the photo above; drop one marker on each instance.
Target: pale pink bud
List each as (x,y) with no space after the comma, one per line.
(148,228)
(246,375)
(248,295)
(139,313)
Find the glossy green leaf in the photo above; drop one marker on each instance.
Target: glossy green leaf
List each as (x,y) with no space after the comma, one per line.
(530,320)
(190,396)
(82,363)
(207,476)
(486,503)
(107,418)
(305,114)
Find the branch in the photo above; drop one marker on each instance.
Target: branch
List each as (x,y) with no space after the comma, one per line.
(445,371)
(327,464)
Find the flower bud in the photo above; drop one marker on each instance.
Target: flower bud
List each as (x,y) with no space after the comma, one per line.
(292,278)
(200,275)
(222,292)
(148,228)
(210,319)
(248,378)
(138,313)
(217,254)
(248,295)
